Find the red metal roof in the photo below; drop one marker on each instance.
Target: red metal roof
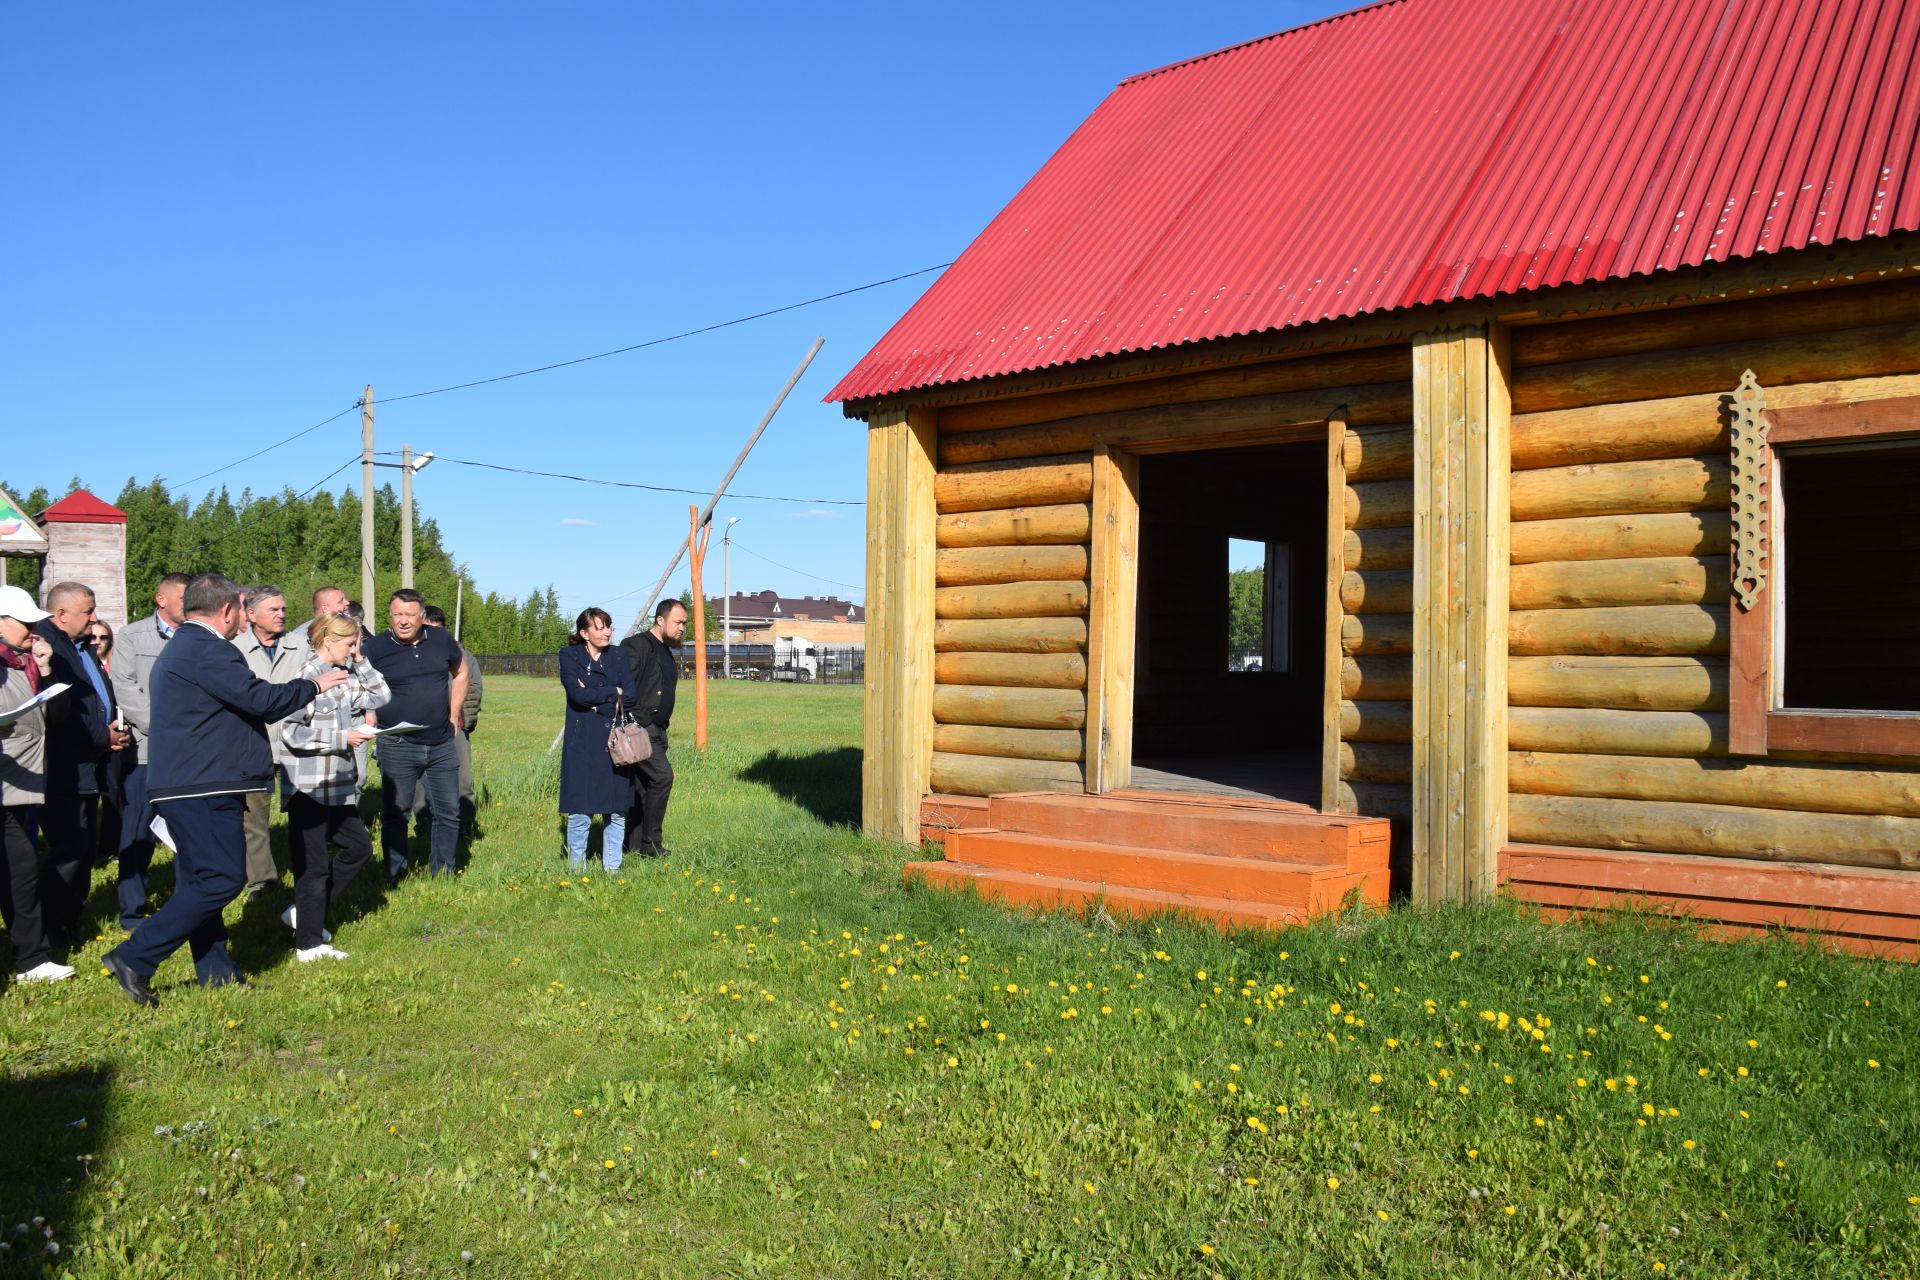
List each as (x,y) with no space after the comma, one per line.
(1419,151)
(81,507)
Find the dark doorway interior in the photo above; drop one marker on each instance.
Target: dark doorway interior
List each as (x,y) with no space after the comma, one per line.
(1231,621)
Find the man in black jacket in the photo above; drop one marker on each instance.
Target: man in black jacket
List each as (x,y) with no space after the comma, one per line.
(656,670)
(209,752)
(78,747)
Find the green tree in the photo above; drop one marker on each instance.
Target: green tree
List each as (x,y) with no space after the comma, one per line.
(1246,611)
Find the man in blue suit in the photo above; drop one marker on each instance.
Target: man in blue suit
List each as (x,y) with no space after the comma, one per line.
(209,752)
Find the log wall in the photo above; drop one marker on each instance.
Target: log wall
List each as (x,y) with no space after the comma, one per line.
(1617,676)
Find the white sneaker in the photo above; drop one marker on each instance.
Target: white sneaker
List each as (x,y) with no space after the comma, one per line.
(46,971)
(291,918)
(321,952)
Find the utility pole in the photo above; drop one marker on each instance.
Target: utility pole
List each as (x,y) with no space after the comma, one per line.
(459,597)
(726,603)
(366,501)
(406,515)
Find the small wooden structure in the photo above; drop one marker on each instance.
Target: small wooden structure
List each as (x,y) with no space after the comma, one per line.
(87,542)
(1601,525)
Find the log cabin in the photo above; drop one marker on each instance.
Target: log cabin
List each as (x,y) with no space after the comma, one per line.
(1558,366)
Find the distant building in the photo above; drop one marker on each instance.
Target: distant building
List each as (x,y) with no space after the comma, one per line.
(763,616)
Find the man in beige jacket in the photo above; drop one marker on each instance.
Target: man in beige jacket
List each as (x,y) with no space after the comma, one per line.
(275,655)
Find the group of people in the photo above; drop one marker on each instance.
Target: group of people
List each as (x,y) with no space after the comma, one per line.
(605,682)
(180,734)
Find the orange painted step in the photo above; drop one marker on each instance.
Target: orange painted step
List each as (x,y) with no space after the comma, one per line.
(1310,887)
(1249,830)
(1052,893)
(941,814)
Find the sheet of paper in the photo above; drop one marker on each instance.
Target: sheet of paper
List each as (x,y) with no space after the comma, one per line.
(405,726)
(162,833)
(45,695)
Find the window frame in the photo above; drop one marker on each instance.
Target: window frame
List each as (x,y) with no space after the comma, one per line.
(1757,720)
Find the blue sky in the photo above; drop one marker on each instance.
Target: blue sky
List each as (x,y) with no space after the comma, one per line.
(222,220)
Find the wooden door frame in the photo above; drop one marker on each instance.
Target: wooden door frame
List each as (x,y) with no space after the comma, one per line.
(1113,597)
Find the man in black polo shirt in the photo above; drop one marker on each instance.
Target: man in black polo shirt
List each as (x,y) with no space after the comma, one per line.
(428,676)
(656,668)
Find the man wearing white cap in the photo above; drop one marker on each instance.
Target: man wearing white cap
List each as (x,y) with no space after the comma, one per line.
(25,663)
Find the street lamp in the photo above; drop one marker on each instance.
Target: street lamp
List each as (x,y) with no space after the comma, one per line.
(726,598)
(409,465)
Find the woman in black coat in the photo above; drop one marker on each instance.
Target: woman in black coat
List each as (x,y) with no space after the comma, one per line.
(595,674)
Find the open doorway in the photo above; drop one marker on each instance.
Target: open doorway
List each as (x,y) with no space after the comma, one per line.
(1231,631)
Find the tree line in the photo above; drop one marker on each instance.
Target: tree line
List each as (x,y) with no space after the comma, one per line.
(299,543)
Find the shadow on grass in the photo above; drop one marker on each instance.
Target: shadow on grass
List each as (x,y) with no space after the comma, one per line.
(55,1122)
(824,783)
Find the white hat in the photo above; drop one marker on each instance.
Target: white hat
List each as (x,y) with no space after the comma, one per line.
(16,603)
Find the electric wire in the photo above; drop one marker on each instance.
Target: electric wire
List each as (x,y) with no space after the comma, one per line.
(307,431)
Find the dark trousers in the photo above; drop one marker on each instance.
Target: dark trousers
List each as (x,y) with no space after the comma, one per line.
(136,847)
(404,765)
(317,878)
(652,784)
(70,823)
(210,870)
(26,875)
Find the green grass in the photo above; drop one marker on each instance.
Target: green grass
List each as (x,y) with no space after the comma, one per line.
(767,1057)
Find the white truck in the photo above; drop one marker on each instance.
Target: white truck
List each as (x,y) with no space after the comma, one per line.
(795,659)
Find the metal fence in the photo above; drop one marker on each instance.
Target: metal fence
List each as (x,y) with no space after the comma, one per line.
(798,664)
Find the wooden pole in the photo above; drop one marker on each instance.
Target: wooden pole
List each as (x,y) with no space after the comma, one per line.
(366,503)
(652,598)
(698,535)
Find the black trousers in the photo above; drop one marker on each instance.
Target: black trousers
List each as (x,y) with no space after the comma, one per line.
(25,879)
(652,785)
(210,870)
(318,879)
(70,823)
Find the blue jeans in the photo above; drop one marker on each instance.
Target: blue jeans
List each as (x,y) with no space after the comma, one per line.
(615,834)
(404,765)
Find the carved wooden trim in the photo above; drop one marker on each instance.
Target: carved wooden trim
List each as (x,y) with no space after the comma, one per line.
(1750,507)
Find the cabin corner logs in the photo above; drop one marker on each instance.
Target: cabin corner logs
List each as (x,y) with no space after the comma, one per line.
(1617,578)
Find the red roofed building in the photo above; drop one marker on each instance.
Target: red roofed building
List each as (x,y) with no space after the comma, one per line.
(87,542)
(1469,358)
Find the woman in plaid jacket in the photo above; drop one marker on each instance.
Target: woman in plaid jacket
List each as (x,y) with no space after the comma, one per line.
(325,805)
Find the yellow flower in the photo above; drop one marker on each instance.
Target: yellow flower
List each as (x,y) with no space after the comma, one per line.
(1253,1182)
(1380,1214)
(1741,1071)
(1373,1078)
(607,1163)
(953,1061)
(1510,1211)
(1473,1153)
(1782,984)
(1874,1063)
(577,1111)
(873,1124)
(1688,1144)
(1201,974)
(1091,1189)
(1207,1249)
(1453,955)
(1333,1183)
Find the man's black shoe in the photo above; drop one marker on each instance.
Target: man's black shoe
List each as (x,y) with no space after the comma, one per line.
(654,851)
(130,982)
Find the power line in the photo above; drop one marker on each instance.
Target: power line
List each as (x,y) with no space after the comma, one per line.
(790,569)
(654,342)
(249,523)
(270,448)
(634,484)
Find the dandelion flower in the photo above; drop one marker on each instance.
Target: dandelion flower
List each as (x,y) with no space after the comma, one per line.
(1333,1183)
(1207,1249)
(1510,1211)
(873,1124)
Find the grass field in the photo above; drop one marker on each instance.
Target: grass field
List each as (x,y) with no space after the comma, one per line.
(764,1056)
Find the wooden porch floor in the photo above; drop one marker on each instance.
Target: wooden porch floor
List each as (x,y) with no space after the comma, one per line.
(1289,776)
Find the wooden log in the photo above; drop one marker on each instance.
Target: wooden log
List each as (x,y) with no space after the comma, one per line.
(979,566)
(1377,591)
(1874,351)
(991,486)
(1020,744)
(1376,762)
(1621,488)
(1673,629)
(972,775)
(1624,684)
(1347,368)
(1377,633)
(1607,732)
(1377,679)
(1012,600)
(1725,830)
(1377,800)
(1376,721)
(1160,424)
(1378,548)
(1810,788)
(1015,526)
(1380,453)
(1379,504)
(1683,533)
(1882,302)
(1012,670)
(1010,635)
(1592,584)
(1010,708)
